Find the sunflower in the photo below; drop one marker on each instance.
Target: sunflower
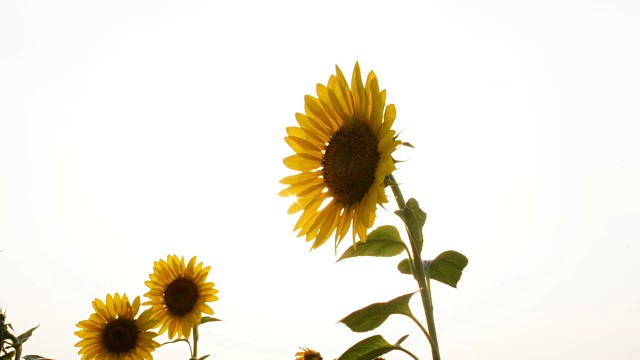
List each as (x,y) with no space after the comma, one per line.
(343,145)
(178,295)
(113,332)
(307,354)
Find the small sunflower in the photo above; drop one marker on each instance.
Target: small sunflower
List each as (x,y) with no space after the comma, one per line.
(179,295)
(113,332)
(343,145)
(307,354)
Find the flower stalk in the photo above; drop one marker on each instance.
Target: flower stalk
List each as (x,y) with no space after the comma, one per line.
(195,342)
(421,277)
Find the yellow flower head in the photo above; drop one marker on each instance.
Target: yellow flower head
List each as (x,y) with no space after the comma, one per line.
(307,354)
(114,333)
(343,145)
(179,295)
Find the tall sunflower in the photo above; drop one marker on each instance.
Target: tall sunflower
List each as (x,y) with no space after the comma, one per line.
(114,333)
(178,294)
(343,145)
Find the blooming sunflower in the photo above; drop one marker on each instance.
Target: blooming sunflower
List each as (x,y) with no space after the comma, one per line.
(178,294)
(113,332)
(343,145)
(307,354)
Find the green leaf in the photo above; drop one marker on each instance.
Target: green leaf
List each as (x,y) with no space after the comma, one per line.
(404,267)
(368,349)
(206,319)
(22,338)
(374,315)
(414,218)
(401,340)
(204,357)
(7,356)
(35,357)
(419,215)
(384,241)
(446,267)
(408,144)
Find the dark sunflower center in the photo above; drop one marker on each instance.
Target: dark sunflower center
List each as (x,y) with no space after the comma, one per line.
(120,335)
(349,162)
(181,296)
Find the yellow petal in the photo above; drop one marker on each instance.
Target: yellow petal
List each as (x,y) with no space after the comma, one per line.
(300,178)
(307,135)
(300,145)
(390,114)
(302,162)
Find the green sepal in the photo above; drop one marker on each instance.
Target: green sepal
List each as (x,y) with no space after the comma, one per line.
(446,267)
(206,319)
(374,315)
(35,357)
(384,241)
(369,348)
(414,218)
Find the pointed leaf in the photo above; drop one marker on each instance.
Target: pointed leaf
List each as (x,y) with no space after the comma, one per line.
(22,338)
(206,319)
(204,357)
(35,357)
(419,216)
(414,218)
(401,340)
(384,241)
(447,267)
(368,349)
(374,315)
(404,267)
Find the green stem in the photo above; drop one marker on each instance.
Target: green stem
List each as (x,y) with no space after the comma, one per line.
(408,352)
(424,331)
(195,342)
(396,191)
(177,341)
(421,278)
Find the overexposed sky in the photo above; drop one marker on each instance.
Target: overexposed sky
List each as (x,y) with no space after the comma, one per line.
(130,130)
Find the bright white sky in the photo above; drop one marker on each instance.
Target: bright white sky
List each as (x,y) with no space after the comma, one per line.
(130,130)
